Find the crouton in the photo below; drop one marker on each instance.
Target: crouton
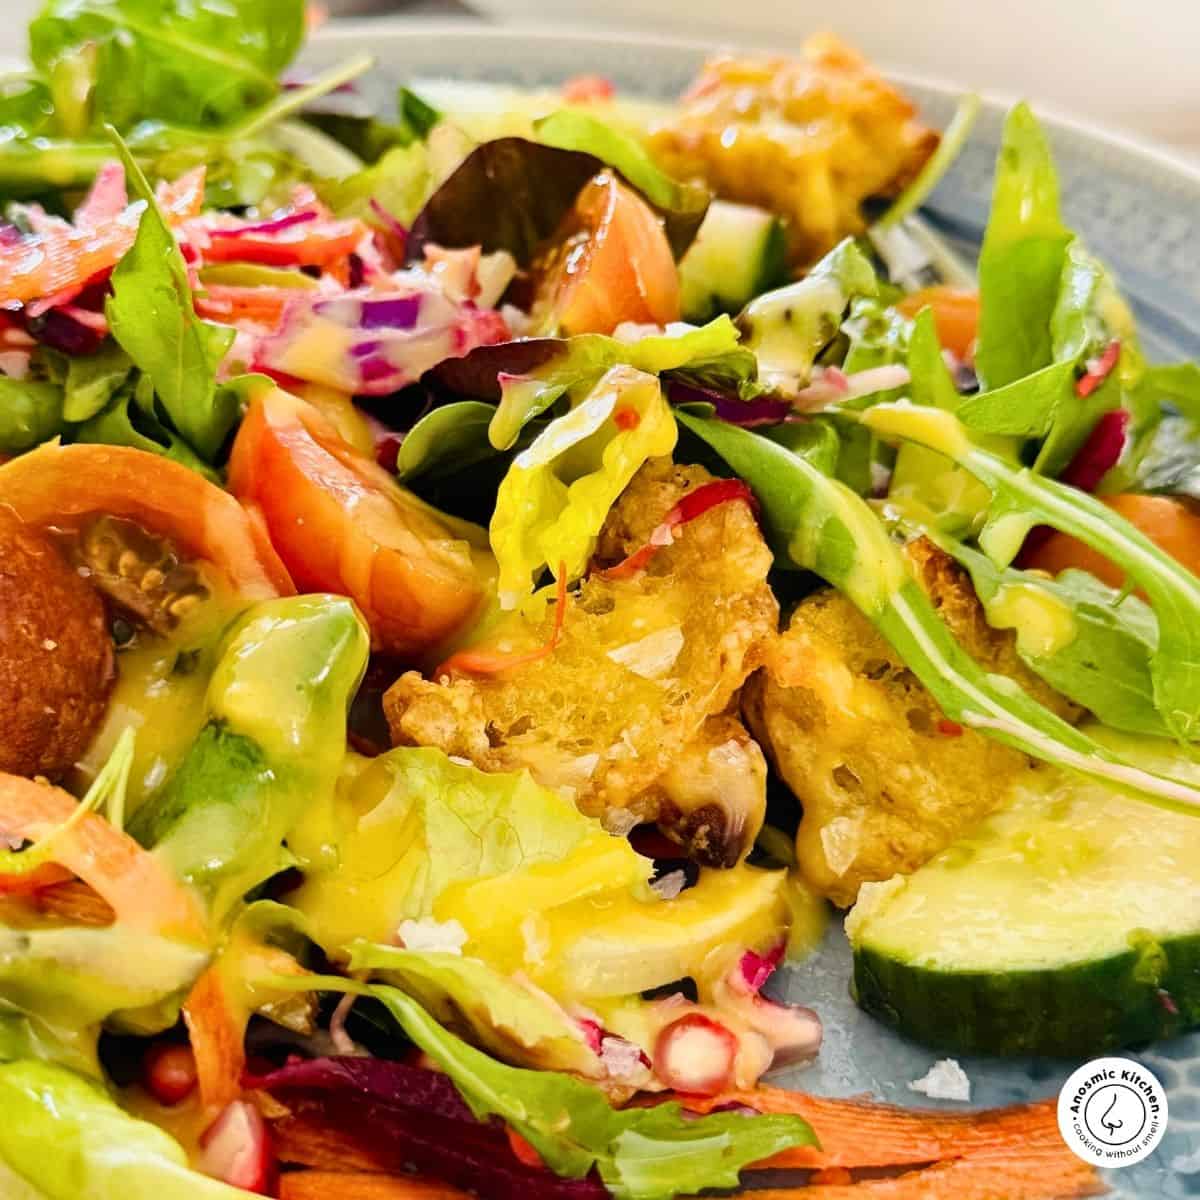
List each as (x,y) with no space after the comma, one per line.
(809,138)
(642,664)
(886,781)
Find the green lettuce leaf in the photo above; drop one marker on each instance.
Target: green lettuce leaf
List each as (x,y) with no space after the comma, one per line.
(556,495)
(507,1018)
(1171,463)
(185,64)
(64,1138)
(817,524)
(640,1153)
(411,827)
(151,316)
(1021,262)
(30,412)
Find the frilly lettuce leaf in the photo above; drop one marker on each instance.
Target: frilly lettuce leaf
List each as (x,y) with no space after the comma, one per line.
(509,1018)
(62,1137)
(558,365)
(415,835)
(557,493)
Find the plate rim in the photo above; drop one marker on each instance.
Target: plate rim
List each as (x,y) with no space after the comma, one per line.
(398,28)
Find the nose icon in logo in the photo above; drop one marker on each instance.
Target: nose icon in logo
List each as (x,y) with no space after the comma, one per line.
(1107,1120)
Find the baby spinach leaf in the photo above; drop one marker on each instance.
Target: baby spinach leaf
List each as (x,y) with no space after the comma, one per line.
(92,380)
(817,524)
(1021,262)
(167,60)
(30,412)
(151,315)
(447,440)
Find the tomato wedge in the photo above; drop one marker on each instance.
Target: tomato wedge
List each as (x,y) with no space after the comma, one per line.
(611,262)
(57,485)
(138,886)
(1172,525)
(341,523)
(955,316)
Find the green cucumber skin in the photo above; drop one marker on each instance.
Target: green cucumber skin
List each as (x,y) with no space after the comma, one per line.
(1070,1012)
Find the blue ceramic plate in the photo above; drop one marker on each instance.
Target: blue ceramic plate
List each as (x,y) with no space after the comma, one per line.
(1140,210)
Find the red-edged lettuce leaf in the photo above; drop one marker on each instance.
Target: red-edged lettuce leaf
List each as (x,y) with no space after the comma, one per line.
(512,193)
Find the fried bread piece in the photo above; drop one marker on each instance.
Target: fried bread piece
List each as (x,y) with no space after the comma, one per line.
(619,712)
(885,780)
(809,138)
(56,655)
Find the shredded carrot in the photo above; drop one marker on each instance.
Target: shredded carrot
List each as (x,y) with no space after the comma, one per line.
(1040,1168)
(346,1185)
(29,883)
(861,1133)
(216,1031)
(230,303)
(492,662)
(74,901)
(138,887)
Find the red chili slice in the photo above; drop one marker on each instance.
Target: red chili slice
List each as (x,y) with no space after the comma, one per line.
(694,504)
(1098,370)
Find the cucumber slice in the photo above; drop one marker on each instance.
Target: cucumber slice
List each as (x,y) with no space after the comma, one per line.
(1067,924)
(739,252)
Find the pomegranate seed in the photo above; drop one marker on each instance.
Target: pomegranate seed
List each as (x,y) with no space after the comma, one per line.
(695,1054)
(169,1072)
(948,728)
(236,1148)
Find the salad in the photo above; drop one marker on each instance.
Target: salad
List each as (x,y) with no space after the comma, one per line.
(485,580)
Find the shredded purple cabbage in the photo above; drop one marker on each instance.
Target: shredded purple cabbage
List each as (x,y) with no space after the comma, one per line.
(766,410)
(265,228)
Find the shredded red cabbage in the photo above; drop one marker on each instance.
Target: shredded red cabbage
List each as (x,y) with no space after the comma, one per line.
(265,228)
(766,410)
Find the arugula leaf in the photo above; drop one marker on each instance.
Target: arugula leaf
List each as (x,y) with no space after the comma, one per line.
(651,1153)
(26,108)
(63,1135)
(30,413)
(818,524)
(1027,407)
(162,60)
(1021,262)
(1086,640)
(1021,499)
(1178,384)
(151,315)
(682,205)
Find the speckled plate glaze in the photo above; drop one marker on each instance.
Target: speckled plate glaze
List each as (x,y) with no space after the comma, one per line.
(1140,209)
